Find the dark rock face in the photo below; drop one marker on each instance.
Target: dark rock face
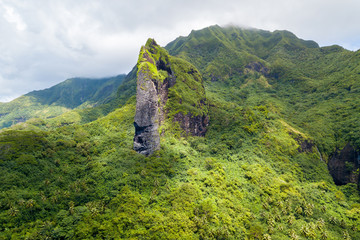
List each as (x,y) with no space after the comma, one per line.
(305,145)
(258,67)
(155,77)
(192,125)
(151,96)
(343,166)
(147,139)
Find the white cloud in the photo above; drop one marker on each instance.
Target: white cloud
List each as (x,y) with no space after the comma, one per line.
(45,42)
(13,17)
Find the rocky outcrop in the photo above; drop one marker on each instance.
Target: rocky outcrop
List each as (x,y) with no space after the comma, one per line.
(168,90)
(344,164)
(305,145)
(258,67)
(192,125)
(147,139)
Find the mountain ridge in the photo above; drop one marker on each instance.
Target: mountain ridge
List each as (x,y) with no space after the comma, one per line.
(279,112)
(60,98)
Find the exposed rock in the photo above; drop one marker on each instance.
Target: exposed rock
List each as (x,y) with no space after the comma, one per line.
(147,139)
(305,145)
(192,125)
(343,166)
(168,89)
(258,67)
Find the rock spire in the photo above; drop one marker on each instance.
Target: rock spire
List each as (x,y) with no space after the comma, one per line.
(170,90)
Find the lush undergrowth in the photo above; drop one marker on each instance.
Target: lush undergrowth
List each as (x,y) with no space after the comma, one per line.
(251,177)
(248,179)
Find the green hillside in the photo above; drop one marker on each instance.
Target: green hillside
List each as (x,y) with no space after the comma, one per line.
(61,98)
(280,110)
(315,88)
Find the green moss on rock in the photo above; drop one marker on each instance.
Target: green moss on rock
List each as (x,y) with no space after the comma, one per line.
(169,90)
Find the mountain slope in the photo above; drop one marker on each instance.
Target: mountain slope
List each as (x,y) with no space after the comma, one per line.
(77,91)
(317,89)
(260,172)
(51,102)
(226,51)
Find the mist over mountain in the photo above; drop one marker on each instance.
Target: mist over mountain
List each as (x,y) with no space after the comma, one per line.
(227,133)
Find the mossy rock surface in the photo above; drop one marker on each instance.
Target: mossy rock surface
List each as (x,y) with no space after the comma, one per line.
(169,90)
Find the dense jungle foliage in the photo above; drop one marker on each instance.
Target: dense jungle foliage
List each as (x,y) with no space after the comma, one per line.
(75,176)
(48,103)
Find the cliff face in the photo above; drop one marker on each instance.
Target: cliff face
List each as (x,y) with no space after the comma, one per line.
(343,166)
(168,90)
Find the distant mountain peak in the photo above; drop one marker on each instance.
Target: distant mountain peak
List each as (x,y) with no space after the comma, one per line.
(69,94)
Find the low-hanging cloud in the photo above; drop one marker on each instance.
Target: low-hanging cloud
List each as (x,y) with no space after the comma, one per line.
(45,42)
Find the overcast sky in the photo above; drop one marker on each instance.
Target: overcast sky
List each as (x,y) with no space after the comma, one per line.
(43,42)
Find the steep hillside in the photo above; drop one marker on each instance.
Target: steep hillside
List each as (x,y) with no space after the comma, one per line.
(52,102)
(280,110)
(317,89)
(222,52)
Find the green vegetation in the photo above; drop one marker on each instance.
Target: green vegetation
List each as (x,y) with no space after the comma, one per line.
(314,88)
(48,103)
(76,176)
(188,94)
(179,85)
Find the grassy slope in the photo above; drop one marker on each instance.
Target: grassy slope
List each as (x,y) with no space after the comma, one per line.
(245,180)
(52,102)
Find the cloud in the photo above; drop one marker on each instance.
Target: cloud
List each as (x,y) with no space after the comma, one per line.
(13,17)
(45,42)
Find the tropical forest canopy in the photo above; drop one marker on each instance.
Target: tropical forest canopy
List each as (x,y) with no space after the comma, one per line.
(284,125)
